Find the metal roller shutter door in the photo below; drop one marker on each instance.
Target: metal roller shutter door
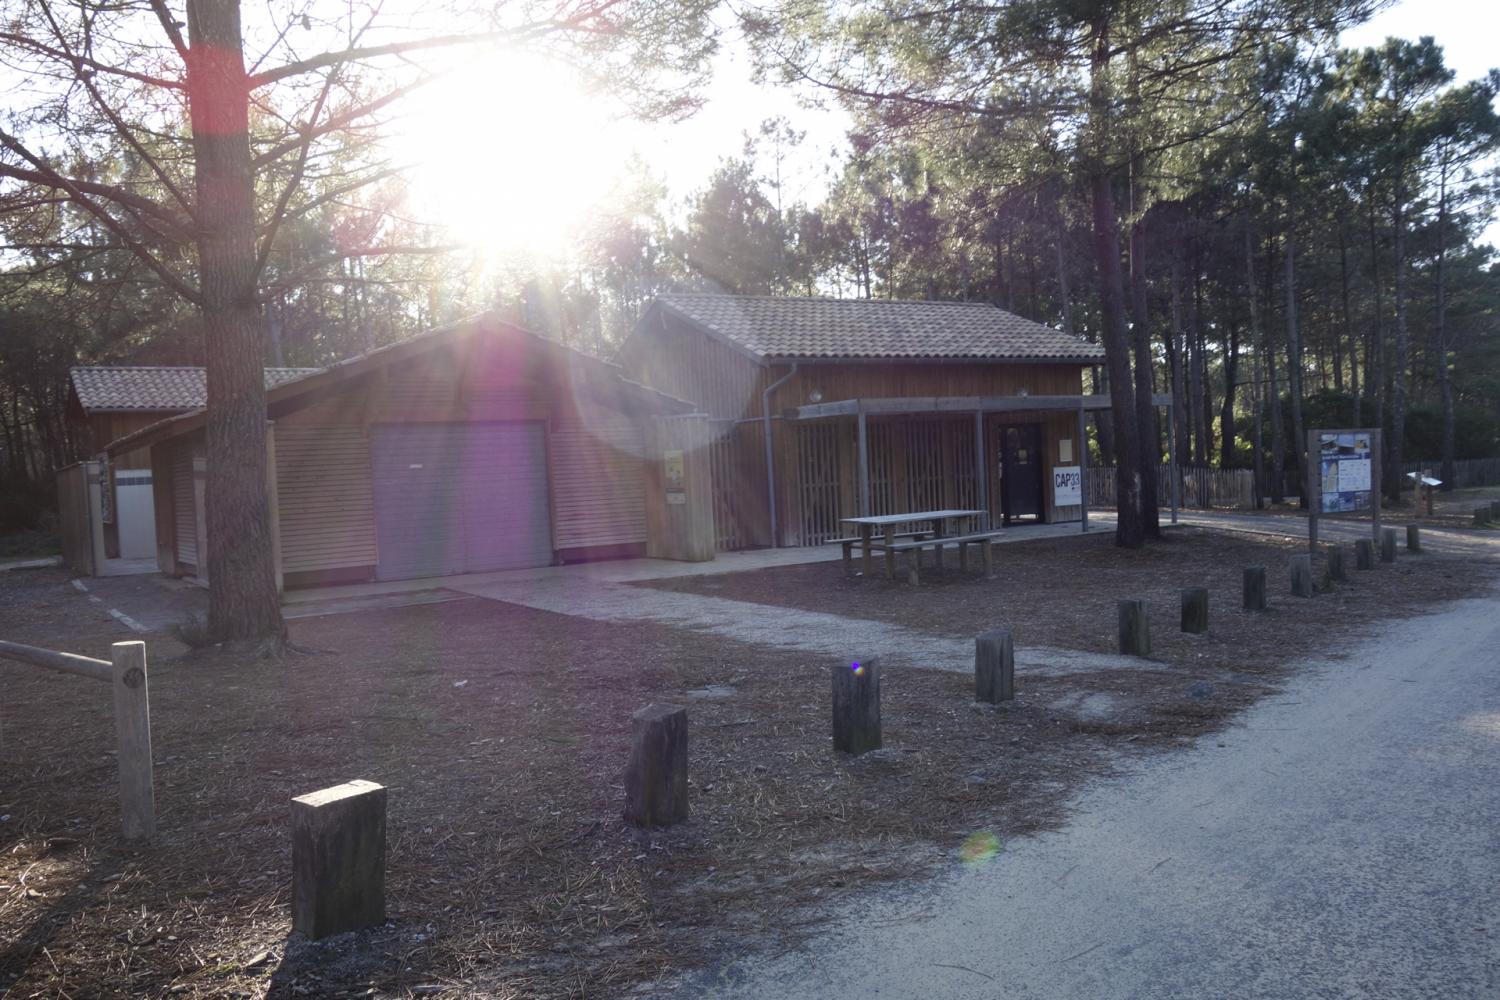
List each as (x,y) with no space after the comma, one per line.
(460,498)
(598,482)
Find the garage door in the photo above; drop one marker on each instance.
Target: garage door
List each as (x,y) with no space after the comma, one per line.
(460,498)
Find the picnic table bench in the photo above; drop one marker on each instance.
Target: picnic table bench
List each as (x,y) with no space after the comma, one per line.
(891,542)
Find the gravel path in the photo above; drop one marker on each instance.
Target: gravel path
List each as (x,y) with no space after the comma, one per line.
(1342,841)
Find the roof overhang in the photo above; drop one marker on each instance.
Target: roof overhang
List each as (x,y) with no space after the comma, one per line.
(913,360)
(957,404)
(586,370)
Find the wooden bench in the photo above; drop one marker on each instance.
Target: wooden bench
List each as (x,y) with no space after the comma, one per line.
(984,539)
(876,542)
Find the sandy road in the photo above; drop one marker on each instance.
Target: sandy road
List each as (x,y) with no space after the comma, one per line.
(1343,840)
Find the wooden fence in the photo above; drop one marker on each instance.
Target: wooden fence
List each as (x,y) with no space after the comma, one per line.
(125,672)
(1471,472)
(1198,487)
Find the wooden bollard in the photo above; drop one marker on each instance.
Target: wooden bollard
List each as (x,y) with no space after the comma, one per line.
(1135,627)
(1388,545)
(656,779)
(1495,511)
(994,667)
(1364,553)
(1255,588)
(1481,516)
(856,706)
(1413,538)
(1195,610)
(132,703)
(338,859)
(1302,582)
(1336,568)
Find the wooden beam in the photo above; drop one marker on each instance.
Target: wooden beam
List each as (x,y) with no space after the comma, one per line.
(955,404)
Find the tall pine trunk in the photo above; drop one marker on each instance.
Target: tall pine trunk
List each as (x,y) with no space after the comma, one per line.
(1226,412)
(1445,377)
(1130,527)
(1145,409)
(1401,363)
(1257,390)
(1294,357)
(243,601)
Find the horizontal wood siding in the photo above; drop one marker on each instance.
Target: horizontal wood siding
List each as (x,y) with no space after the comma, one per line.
(327,503)
(598,483)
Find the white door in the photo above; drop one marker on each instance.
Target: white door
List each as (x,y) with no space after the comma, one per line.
(135,514)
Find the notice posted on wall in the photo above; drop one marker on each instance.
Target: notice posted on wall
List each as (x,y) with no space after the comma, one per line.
(1067,486)
(1346,468)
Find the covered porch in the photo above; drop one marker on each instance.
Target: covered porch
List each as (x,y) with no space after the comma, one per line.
(1020,458)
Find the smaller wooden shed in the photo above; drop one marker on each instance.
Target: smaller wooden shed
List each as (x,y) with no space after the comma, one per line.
(105,403)
(473,448)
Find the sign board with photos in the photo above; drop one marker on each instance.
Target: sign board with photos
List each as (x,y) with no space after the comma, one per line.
(1345,465)
(1343,475)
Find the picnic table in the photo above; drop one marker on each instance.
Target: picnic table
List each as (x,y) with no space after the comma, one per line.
(938,521)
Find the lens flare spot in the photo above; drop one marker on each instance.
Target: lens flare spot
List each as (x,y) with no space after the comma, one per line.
(979,848)
(857,668)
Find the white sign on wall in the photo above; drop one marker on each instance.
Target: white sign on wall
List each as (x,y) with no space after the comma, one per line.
(1067,486)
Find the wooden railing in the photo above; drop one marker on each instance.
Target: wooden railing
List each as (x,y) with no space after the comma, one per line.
(125,672)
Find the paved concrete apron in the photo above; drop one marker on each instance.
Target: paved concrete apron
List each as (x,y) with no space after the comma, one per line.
(781,628)
(1344,841)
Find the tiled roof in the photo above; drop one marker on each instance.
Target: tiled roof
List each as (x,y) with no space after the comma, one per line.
(772,327)
(156,388)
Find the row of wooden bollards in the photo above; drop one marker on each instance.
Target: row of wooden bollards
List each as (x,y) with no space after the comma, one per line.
(338,834)
(1135,625)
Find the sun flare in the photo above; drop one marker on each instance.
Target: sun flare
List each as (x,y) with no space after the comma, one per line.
(511,156)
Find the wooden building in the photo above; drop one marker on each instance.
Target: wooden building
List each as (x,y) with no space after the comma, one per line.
(473,448)
(832,408)
(106,403)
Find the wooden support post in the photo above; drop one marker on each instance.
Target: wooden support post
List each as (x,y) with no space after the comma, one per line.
(1195,610)
(1364,554)
(963,556)
(994,667)
(1337,571)
(914,565)
(133,739)
(1255,588)
(1135,627)
(338,859)
(1413,538)
(1494,511)
(987,547)
(1481,516)
(1388,545)
(1302,581)
(1083,470)
(656,779)
(856,705)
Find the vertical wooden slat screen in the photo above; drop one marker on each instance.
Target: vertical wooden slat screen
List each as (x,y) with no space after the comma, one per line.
(818,482)
(184,504)
(728,532)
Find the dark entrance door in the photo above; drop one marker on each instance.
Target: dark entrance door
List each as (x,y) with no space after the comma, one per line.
(1020,471)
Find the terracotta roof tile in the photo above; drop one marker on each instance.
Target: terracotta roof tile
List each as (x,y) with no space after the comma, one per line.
(792,328)
(155,388)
